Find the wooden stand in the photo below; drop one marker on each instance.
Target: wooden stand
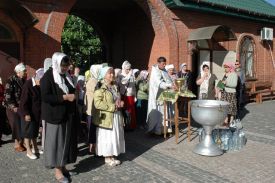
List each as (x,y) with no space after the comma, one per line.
(178,120)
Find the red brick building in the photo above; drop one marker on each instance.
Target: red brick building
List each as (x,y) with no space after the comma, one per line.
(140,31)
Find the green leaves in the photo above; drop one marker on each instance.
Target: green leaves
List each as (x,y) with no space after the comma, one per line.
(80,41)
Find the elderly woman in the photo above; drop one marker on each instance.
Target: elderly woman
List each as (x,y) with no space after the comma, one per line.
(13,90)
(206,81)
(60,114)
(171,71)
(30,110)
(228,90)
(108,118)
(127,87)
(89,97)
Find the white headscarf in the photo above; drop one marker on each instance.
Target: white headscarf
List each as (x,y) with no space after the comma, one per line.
(126,65)
(170,66)
(56,65)
(39,73)
(19,68)
(135,71)
(205,84)
(144,74)
(47,64)
(103,72)
(95,70)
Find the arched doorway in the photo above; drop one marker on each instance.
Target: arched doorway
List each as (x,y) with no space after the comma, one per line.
(137,30)
(124,28)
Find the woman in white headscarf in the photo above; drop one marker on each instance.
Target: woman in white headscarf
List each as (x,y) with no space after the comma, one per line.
(107,116)
(127,87)
(88,102)
(61,117)
(206,81)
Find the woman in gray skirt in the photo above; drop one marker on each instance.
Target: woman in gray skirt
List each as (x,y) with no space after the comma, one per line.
(60,114)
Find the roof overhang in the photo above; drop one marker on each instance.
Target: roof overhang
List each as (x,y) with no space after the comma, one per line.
(218,33)
(20,13)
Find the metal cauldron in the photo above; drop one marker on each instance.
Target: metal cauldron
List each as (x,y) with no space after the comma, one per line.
(208,113)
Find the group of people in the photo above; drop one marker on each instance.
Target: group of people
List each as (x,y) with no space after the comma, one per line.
(107,98)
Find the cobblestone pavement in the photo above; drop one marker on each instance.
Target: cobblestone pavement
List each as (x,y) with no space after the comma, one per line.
(151,159)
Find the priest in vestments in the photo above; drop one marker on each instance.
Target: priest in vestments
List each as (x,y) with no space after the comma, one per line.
(159,81)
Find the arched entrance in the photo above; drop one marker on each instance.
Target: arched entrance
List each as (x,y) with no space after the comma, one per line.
(137,30)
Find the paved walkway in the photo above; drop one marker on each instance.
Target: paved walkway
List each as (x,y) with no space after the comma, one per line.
(150,159)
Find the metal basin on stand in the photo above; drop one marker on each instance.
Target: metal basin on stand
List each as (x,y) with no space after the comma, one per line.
(208,113)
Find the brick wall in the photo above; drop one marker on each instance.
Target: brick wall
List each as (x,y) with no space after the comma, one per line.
(187,21)
(152,32)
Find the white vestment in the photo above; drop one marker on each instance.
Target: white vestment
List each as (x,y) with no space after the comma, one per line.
(159,81)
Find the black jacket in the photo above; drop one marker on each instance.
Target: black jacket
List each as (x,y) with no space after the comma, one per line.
(30,101)
(54,109)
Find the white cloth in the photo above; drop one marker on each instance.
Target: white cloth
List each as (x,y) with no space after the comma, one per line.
(126,65)
(47,64)
(159,81)
(39,73)
(204,85)
(94,70)
(170,66)
(126,83)
(56,61)
(19,68)
(111,142)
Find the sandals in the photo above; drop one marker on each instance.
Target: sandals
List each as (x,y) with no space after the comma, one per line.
(62,180)
(112,162)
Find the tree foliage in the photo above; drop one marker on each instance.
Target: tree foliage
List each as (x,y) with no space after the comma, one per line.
(80,41)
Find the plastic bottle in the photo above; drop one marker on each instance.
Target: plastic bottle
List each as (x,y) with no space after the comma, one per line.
(230,143)
(236,140)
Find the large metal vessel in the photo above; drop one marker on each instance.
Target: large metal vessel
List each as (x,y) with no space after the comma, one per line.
(208,113)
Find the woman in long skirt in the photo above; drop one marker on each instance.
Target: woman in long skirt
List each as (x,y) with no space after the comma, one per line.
(61,117)
(108,118)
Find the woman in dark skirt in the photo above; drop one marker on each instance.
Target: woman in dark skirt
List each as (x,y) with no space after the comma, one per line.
(30,112)
(61,117)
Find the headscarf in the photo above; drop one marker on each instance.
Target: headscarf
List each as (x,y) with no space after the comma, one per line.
(143,74)
(126,65)
(103,72)
(231,66)
(170,66)
(47,64)
(182,65)
(19,68)
(135,71)
(56,65)
(80,78)
(95,70)
(87,75)
(205,84)
(39,73)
